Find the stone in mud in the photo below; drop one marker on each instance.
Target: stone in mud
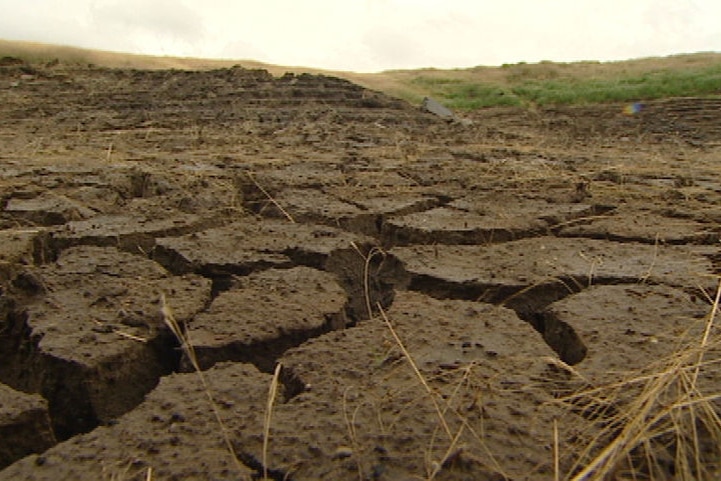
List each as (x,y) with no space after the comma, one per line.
(436,108)
(93,341)
(24,425)
(648,227)
(627,327)
(264,315)
(529,274)
(48,209)
(480,221)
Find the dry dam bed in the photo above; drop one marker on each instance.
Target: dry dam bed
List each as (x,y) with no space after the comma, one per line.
(516,258)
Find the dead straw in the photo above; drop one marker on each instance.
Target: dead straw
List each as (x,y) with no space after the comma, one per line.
(187,346)
(272,392)
(662,410)
(271,199)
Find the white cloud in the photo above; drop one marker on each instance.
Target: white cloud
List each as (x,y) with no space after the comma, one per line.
(163,17)
(156,27)
(374,34)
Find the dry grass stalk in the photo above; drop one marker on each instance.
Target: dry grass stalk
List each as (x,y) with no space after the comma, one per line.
(366,274)
(556,453)
(271,199)
(416,371)
(352,433)
(187,346)
(707,331)
(546,281)
(451,454)
(432,395)
(453,450)
(272,393)
(644,278)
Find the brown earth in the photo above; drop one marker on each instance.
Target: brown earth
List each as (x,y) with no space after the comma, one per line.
(513,256)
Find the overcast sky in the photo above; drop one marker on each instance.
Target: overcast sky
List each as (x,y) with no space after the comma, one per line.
(373,35)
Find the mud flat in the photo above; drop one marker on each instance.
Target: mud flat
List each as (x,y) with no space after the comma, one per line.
(446,301)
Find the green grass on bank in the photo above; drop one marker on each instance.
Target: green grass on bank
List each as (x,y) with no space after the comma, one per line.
(552,83)
(522,84)
(520,90)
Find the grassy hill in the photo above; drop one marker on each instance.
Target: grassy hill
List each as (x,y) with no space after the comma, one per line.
(521,84)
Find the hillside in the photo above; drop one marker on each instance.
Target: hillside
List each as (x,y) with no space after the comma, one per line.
(522,84)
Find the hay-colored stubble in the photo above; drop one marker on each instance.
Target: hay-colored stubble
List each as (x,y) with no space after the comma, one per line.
(664,415)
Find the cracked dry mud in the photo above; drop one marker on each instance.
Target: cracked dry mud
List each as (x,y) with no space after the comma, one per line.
(271,214)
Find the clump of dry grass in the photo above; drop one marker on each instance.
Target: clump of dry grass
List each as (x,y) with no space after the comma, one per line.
(659,424)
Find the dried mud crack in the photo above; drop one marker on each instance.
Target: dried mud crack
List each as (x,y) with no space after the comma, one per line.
(306,221)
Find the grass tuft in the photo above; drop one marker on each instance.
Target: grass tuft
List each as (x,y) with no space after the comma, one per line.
(661,423)
(566,87)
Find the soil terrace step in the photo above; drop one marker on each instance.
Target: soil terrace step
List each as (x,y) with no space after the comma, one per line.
(24,425)
(265,314)
(475,220)
(92,340)
(639,323)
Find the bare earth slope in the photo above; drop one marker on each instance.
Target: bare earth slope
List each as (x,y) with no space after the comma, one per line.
(271,213)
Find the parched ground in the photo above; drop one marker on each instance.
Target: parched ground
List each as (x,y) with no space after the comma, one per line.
(433,291)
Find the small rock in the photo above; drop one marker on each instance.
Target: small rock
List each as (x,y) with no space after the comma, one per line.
(343,452)
(434,107)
